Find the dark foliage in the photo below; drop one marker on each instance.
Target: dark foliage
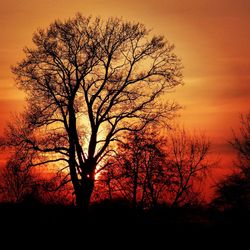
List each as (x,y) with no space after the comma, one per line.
(233,192)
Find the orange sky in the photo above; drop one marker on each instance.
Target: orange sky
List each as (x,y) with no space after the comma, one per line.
(211,36)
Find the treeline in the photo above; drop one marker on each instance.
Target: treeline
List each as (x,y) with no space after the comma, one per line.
(149,171)
(146,170)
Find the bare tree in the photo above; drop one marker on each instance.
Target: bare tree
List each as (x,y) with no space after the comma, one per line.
(19,183)
(189,164)
(17,179)
(88,81)
(137,170)
(149,168)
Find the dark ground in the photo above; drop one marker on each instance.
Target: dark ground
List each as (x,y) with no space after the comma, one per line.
(116,225)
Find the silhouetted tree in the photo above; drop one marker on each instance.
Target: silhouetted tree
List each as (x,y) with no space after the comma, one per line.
(19,179)
(138,170)
(241,144)
(20,183)
(189,164)
(233,192)
(149,169)
(88,81)
(16,178)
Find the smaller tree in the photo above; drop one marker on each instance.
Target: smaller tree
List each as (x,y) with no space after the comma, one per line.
(17,179)
(20,183)
(22,178)
(233,192)
(150,169)
(136,172)
(241,145)
(189,164)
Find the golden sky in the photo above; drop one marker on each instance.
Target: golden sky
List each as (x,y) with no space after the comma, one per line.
(211,36)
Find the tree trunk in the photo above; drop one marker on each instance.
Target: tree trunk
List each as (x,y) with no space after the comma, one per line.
(83,187)
(87,182)
(84,196)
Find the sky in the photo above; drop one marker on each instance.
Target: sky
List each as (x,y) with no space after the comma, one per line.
(211,37)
